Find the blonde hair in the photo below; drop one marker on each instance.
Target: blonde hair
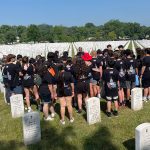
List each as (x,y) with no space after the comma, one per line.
(93,53)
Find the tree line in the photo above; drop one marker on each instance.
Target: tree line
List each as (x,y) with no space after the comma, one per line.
(112,30)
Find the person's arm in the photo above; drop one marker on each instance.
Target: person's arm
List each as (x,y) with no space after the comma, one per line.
(118,82)
(72,84)
(137,71)
(101,71)
(143,69)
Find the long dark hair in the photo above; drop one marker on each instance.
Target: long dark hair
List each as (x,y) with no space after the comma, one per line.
(42,70)
(80,68)
(60,78)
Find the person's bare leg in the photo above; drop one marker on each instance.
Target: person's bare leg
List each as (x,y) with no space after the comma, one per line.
(145,92)
(98,91)
(27,97)
(45,110)
(123,95)
(91,90)
(79,96)
(108,106)
(36,94)
(116,105)
(52,108)
(120,96)
(69,106)
(128,94)
(62,108)
(95,90)
(149,93)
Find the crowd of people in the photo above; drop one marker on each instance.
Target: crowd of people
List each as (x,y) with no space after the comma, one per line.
(109,74)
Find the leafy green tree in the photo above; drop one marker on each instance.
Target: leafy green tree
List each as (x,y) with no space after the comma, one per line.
(10,37)
(33,33)
(112,36)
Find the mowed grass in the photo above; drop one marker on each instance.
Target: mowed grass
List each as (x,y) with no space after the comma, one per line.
(116,133)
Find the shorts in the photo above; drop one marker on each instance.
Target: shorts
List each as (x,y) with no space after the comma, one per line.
(123,84)
(28,83)
(130,84)
(65,92)
(82,87)
(46,98)
(94,82)
(145,83)
(111,98)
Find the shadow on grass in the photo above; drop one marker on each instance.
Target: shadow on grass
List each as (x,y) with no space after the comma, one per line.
(10,145)
(129,144)
(100,140)
(55,140)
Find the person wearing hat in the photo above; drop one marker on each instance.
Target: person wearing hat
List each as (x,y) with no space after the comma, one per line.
(82,75)
(88,61)
(11,73)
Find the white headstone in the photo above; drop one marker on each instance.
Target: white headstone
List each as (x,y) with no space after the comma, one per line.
(4,93)
(31,128)
(2,89)
(142,137)
(17,105)
(93,110)
(136,99)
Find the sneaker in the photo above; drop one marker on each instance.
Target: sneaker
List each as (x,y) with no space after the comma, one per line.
(148,98)
(72,120)
(115,113)
(108,114)
(99,96)
(53,115)
(30,109)
(49,118)
(79,111)
(123,103)
(62,122)
(144,99)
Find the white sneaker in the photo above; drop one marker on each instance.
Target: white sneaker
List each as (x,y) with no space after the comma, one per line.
(144,99)
(49,118)
(99,96)
(148,98)
(72,120)
(30,109)
(62,122)
(53,115)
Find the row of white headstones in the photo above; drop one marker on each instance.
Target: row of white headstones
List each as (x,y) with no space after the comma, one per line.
(31,121)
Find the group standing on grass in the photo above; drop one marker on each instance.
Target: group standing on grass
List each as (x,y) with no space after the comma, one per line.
(108,74)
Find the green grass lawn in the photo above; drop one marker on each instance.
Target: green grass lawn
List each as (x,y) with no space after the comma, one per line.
(116,133)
